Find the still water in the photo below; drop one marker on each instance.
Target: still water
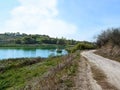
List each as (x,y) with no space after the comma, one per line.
(6,53)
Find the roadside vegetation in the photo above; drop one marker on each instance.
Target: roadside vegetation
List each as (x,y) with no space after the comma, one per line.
(109,36)
(38,73)
(108,43)
(82,46)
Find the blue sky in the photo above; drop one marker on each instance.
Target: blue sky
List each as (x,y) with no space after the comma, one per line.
(72,19)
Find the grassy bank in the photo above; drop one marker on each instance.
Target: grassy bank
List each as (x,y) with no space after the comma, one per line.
(41,46)
(36,73)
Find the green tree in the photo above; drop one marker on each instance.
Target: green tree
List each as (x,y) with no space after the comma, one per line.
(18,41)
(29,40)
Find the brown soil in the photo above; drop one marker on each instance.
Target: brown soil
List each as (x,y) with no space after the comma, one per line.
(85,80)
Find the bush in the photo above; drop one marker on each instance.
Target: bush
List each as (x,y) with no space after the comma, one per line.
(82,46)
(109,36)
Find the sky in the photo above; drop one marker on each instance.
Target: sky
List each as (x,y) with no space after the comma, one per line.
(71,19)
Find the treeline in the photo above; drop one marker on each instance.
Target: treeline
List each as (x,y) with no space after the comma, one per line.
(17,38)
(111,36)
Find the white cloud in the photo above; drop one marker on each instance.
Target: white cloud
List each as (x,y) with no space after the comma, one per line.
(39,17)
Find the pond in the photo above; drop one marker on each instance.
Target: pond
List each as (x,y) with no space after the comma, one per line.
(6,53)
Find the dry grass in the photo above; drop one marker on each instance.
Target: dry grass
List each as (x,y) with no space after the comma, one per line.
(58,78)
(106,55)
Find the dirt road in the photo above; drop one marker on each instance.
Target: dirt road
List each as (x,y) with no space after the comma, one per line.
(110,68)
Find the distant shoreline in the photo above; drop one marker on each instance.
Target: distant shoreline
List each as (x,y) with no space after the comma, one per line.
(41,46)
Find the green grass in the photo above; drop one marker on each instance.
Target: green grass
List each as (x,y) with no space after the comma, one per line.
(17,77)
(41,46)
(66,76)
(70,72)
(60,77)
(18,73)
(17,63)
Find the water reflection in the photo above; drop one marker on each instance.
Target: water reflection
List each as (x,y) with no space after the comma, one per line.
(6,53)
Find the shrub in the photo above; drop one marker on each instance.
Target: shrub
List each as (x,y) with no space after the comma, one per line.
(109,36)
(82,46)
